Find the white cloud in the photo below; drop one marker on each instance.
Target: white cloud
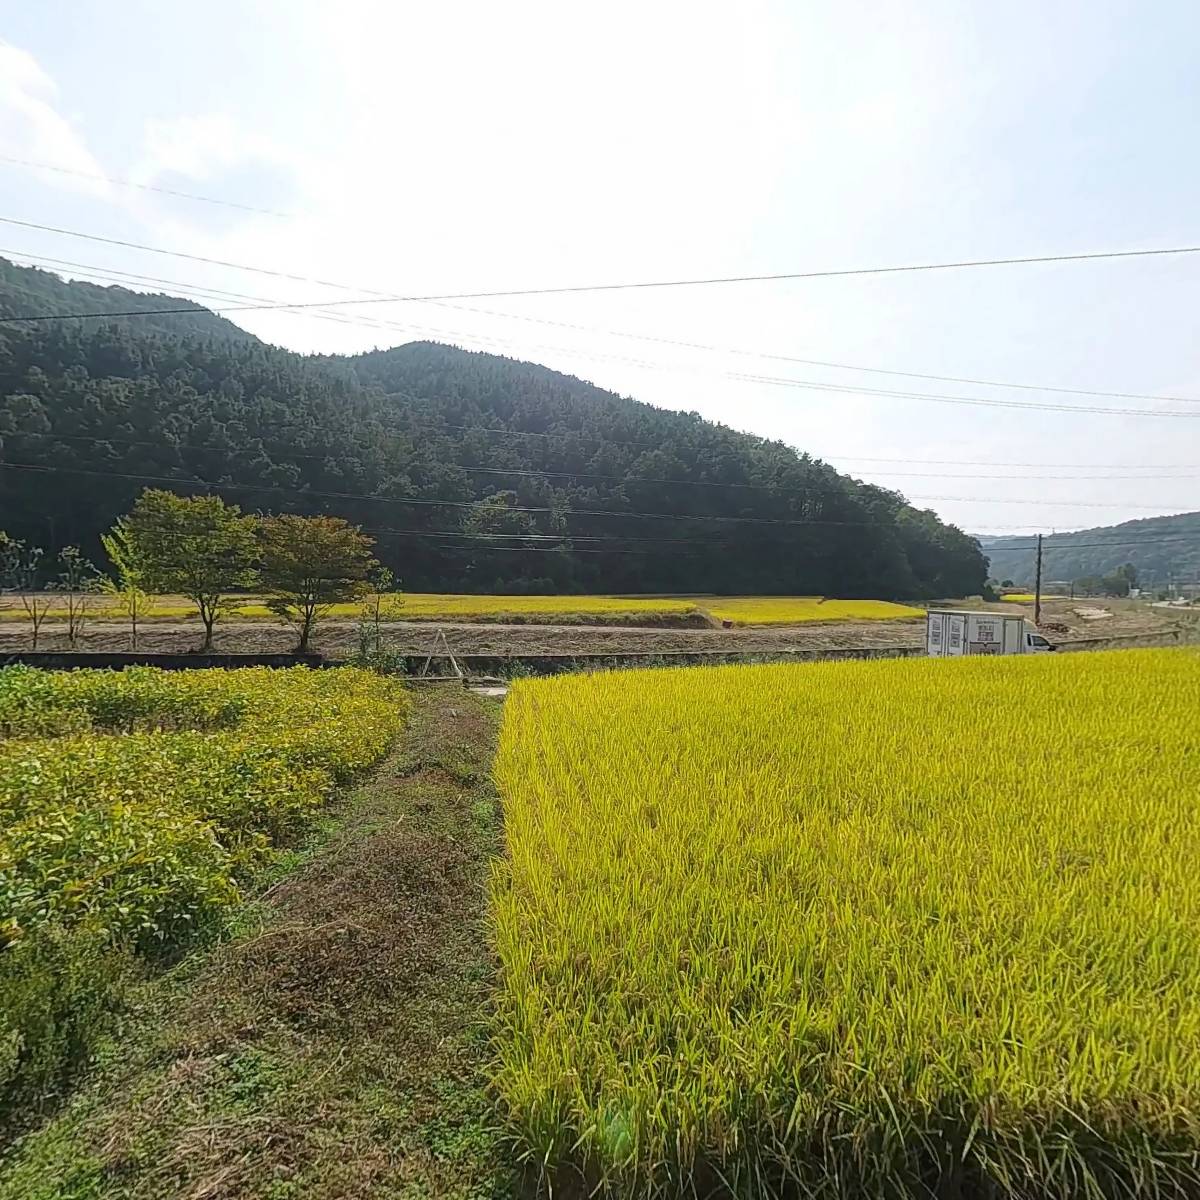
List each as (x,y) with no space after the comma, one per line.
(201,147)
(31,126)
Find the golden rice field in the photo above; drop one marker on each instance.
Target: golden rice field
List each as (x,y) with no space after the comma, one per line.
(856,928)
(430,606)
(789,610)
(1020,597)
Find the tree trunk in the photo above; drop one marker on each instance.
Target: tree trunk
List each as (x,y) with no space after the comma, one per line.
(306,625)
(208,618)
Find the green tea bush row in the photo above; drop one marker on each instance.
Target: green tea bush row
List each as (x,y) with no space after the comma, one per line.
(134,805)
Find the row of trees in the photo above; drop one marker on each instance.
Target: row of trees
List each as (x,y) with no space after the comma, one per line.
(206,550)
(1119,583)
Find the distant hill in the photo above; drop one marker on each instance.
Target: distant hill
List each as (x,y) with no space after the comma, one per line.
(474,472)
(1160,548)
(27,291)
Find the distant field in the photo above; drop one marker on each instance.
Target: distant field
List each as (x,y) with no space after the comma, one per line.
(434,606)
(594,610)
(817,928)
(789,610)
(1020,597)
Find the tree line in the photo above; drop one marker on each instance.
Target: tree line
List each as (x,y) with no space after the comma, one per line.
(206,550)
(472,472)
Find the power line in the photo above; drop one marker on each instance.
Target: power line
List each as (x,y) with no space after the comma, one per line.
(565,536)
(684,344)
(811,362)
(624,480)
(548,474)
(420,501)
(476,505)
(959,264)
(144,187)
(112,275)
(619,333)
(963,462)
(1052,503)
(1023,478)
(769,380)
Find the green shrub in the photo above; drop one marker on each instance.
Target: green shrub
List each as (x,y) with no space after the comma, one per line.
(133,806)
(55,990)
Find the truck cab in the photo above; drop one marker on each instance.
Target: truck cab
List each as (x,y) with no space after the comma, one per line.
(1035,643)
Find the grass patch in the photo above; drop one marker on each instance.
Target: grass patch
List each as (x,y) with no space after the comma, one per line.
(856,929)
(333,1047)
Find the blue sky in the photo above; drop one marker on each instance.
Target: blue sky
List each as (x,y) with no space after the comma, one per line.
(419,148)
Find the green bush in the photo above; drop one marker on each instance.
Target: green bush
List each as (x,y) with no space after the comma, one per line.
(55,990)
(134,805)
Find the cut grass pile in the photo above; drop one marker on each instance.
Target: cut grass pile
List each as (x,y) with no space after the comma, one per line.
(857,928)
(790,610)
(133,804)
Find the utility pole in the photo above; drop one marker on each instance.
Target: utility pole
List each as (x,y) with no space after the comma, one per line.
(1037,589)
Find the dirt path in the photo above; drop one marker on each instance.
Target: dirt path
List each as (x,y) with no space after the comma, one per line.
(332,1050)
(339,638)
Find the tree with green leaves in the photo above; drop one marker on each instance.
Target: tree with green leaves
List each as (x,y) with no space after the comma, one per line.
(197,546)
(380,602)
(21,573)
(310,564)
(78,582)
(129,586)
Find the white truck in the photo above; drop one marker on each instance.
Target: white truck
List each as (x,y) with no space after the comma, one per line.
(951,632)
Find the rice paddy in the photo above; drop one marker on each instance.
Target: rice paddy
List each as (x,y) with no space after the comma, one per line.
(430,606)
(856,929)
(790,610)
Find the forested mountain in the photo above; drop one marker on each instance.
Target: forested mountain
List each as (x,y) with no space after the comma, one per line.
(26,290)
(1162,549)
(473,471)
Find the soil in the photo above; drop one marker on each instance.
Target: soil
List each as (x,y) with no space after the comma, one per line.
(339,638)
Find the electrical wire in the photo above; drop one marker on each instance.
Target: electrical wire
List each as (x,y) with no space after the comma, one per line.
(476,505)
(535,473)
(144,187)
(707,347)
(741,377)
(965,462)
(572,289)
